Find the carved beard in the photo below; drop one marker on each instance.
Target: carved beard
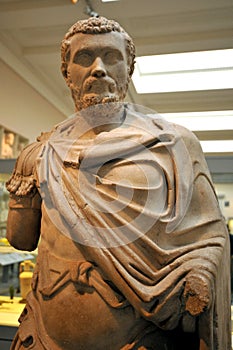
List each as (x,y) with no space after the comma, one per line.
(87,100)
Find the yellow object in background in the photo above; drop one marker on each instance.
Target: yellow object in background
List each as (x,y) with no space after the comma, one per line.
(10,310)
(25,277)
(4,242)
(230,225)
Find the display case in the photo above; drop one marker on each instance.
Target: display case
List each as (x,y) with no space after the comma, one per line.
(10,258)
(10,309)
(6,168)
(11,143)
(11,302)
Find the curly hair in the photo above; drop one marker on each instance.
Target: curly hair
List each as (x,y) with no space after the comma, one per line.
(96,25)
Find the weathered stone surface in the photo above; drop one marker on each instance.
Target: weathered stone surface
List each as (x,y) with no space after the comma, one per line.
(133,251)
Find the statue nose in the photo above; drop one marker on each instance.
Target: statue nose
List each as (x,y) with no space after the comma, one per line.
(98,69)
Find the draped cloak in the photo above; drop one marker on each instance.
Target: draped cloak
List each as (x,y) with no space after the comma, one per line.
(140,202)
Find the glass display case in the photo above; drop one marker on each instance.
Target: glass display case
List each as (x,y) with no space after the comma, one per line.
(6,168)
(10,258)
(11,143)
(11,261)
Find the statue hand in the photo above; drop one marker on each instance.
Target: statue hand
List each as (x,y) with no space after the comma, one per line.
(197,293)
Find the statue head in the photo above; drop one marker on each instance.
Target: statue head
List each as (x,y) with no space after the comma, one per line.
(98,59)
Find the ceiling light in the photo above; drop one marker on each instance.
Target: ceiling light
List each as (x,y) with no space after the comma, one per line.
(202,121)
(188,71)
(108,0)
(206,121)
(217,146)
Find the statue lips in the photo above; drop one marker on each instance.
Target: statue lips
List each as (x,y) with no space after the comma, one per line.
(99,86)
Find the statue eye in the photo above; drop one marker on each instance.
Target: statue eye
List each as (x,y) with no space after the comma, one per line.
(83,59)
(112,57)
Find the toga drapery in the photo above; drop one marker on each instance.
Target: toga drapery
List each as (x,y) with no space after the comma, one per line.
(139,201)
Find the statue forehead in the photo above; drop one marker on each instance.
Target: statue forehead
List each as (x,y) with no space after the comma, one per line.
(81,41)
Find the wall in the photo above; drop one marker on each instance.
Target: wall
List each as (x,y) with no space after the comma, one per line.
(23,110)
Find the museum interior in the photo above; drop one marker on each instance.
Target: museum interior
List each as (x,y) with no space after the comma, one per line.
(183,73)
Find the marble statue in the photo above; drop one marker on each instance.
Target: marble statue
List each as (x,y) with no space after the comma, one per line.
(133,251)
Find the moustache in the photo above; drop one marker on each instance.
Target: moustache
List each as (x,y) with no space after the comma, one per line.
(105,83)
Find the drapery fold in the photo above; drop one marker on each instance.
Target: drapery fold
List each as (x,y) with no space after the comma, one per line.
(140,203)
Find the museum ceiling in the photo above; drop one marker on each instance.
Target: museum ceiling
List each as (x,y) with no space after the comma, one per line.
(31,32)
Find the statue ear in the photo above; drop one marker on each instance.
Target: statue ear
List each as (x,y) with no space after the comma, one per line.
(64,70)
(65,60)
(65,73)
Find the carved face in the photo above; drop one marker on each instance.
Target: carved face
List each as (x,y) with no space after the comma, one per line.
(97,70)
